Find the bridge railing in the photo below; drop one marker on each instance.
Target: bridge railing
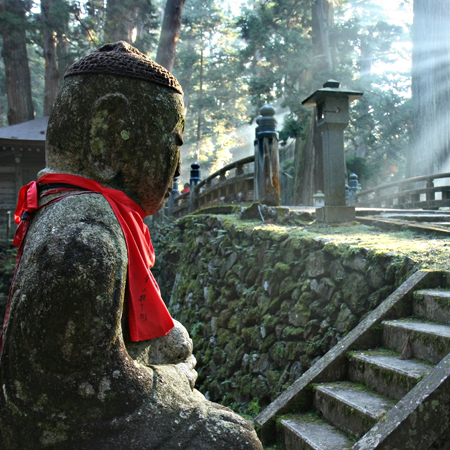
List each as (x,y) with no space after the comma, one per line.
(233,183)
(411,193)
(253,178)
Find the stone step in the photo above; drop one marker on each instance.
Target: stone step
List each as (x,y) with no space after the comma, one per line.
(418,217)
(383,371)
(428,341)
(350,407)
(432,304)
(310,433)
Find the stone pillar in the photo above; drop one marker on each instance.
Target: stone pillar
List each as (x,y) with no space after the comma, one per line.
(196,177)
(332,106)
(352,188)
(257,169)
(267,185)
(173,193)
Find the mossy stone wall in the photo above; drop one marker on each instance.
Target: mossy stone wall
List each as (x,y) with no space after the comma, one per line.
(261,303)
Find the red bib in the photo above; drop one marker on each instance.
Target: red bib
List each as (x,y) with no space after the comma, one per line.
(148,315)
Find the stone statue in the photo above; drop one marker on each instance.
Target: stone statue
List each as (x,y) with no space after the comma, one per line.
(71,376)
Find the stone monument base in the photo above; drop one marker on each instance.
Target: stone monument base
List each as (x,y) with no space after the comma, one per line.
(336,214)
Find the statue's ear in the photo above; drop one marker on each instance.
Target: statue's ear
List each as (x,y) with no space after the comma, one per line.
(108,133)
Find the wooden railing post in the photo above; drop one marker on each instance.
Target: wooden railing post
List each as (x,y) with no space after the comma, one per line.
(194,180)
(267,184)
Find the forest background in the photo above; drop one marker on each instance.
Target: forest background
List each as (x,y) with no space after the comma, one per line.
(232,57)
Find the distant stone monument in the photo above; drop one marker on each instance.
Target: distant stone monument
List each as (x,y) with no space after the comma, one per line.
(79,369)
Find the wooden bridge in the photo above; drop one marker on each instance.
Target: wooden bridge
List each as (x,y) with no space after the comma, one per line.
(411,193)
(235,183)
(232,184)
(256,178)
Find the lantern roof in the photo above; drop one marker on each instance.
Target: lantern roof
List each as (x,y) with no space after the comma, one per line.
(331,89)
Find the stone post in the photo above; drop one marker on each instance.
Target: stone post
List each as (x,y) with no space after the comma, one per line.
(173,193)
(352,188)
(196,177)
(267,185)
(332,106)
(256,163)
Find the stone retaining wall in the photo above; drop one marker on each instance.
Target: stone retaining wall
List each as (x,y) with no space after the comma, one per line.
(262,303)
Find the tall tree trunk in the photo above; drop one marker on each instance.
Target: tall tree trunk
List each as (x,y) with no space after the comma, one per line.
(308,157)
(200,104)
(304,169)
(15,57)
(65,58)
(365,73)
(117,25)
(430,142)
(322,28)
(188,72)
(52,75)
(170,33)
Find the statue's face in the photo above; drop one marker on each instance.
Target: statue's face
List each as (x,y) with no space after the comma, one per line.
(124,133)
(155,159)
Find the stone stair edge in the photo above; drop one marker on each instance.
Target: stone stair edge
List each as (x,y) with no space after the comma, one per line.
(418,280)
(387,374)
(424,408)
(332,435)
(370,357)
(345,392)
(432,291)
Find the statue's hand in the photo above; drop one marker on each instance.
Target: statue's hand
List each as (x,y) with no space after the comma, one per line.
(188,368)
(174,348)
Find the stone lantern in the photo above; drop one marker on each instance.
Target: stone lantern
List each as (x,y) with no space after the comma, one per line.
(332,106)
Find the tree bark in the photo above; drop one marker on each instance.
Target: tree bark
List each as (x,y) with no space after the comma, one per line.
(117,25)
(308,156)
(15,57)
(324,40)
(65,58)
(170,33)
(365,74)
(200,104)
(306,166)
(430,140)
(52,74)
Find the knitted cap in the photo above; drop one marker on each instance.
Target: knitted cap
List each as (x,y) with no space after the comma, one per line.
(123,59)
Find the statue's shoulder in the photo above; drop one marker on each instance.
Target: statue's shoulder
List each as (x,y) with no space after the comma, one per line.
(72,210)
(85,220)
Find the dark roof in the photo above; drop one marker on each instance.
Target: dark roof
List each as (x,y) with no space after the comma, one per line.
(33,130)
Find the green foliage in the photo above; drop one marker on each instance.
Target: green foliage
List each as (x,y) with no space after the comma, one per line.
(79,28)
(208,68)
(253,407)
(284,60)
(361,167)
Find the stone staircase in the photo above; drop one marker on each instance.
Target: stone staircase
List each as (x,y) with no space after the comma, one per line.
(386,385)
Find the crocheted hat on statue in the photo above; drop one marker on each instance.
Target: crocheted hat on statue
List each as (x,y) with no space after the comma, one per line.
(123,59)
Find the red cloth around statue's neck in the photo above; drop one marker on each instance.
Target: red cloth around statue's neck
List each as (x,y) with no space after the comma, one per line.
(148,315)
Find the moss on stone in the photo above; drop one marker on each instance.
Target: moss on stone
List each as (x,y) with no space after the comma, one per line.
(267,289)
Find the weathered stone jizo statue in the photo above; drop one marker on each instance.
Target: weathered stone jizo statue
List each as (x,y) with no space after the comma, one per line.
(90,357)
